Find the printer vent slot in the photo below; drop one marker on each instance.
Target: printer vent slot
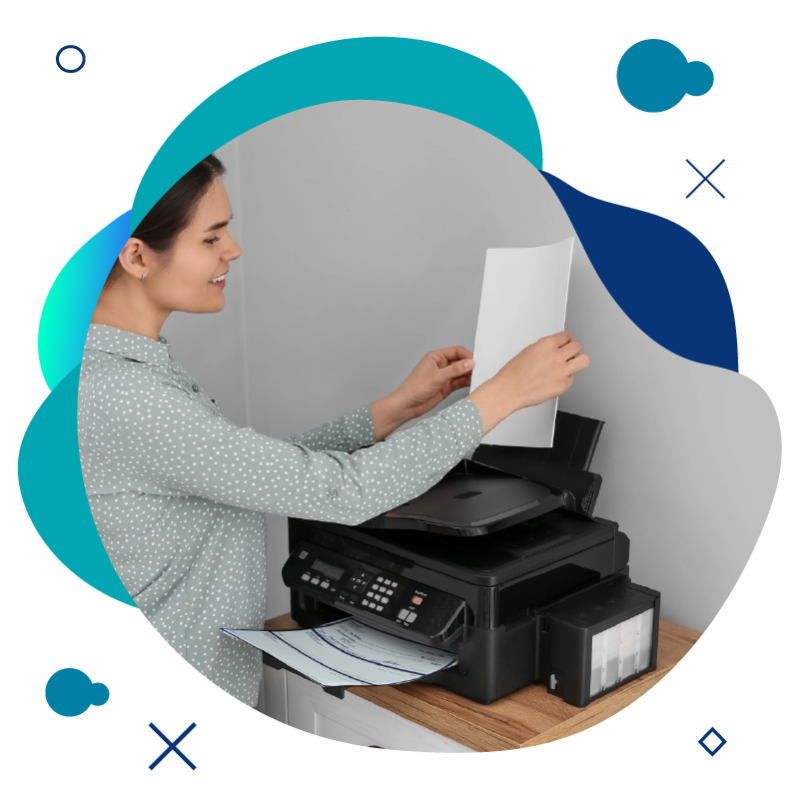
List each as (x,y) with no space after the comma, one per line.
(465,495)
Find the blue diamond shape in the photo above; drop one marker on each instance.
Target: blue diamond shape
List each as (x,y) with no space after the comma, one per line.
(719,736)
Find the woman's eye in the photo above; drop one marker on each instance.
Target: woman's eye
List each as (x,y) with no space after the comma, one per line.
(212,240)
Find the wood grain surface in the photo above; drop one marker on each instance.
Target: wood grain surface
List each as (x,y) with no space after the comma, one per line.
(525,718)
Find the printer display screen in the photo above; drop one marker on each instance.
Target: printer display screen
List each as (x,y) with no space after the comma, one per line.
(326,569)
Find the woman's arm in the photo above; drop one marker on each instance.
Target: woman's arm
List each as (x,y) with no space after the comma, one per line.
(149,435)
(360,428)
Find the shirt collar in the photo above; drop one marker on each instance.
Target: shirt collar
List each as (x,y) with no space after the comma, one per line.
(105,339)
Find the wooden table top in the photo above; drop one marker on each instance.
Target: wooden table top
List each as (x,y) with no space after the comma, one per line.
(525,718)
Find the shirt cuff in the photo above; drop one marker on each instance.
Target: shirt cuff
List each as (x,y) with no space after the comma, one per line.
(360,427)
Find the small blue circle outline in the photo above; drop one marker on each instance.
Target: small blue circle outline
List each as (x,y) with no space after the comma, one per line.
(70,47)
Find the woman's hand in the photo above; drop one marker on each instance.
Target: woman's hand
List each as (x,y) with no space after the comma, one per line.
(436,377)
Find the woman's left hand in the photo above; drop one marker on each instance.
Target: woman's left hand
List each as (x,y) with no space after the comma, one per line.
(437,375)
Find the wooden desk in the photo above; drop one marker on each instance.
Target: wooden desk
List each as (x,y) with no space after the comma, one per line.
(528,717)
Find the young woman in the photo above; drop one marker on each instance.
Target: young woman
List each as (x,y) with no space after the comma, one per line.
(179,493)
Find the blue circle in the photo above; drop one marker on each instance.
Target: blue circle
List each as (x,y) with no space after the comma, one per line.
(70,692)
(650,75)
(71,47)
(699,78)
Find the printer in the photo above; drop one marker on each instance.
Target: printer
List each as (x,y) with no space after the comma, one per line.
(501,563)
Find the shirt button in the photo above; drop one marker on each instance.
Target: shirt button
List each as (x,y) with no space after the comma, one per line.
(332,493)
(195,387)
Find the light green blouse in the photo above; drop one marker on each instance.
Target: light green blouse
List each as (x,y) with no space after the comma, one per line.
(179,493)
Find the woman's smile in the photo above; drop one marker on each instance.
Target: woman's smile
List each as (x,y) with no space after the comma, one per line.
(219,282)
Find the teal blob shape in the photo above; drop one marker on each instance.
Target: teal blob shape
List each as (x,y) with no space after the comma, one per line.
(408,71)
(51,483)
(69,692)
(653,76)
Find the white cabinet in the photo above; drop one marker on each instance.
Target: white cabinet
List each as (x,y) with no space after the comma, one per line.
(297,702)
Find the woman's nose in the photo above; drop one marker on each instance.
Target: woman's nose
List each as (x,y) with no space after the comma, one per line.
(234,251)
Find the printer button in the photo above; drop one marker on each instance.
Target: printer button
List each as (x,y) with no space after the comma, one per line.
(411,617)
(379,608)
(370,594)
(389,592)
(364,602)
(416,601)
(324,585)
(384,599)
(380,580)
(372,605)
(403,614)
(315,580)
(306,577)
(394,584)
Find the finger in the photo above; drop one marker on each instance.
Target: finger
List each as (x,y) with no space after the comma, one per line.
(562,338)
(455,353)
(457,370)
(571,349)
(578,363)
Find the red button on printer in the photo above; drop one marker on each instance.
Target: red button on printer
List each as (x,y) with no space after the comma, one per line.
(416,600)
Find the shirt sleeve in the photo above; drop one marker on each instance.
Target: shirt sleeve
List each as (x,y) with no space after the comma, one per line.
(349,432)
(154,437)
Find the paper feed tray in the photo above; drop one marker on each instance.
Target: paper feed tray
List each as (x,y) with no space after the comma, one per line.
(505,486)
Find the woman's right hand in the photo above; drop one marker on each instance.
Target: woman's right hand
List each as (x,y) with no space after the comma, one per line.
(542,370)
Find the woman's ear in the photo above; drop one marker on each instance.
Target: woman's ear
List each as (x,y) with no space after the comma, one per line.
(134,260)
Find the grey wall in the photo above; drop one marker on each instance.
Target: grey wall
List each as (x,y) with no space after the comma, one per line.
(212,346)
(364,227)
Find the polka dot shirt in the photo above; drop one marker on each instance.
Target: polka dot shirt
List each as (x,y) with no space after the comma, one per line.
(179,493)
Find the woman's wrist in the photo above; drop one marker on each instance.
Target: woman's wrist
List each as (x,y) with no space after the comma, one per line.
(388,414)
(494,403)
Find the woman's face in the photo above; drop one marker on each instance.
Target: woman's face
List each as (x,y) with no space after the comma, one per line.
(191,277)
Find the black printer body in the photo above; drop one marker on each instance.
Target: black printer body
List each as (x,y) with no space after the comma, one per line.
(501,563)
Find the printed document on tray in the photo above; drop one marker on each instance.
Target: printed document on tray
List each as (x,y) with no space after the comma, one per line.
(349,653)
(524,298)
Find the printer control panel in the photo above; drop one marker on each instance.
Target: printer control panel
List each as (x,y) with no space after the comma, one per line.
(369,592)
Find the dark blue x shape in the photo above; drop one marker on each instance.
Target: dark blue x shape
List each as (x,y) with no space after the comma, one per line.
(173,745)
(705,179)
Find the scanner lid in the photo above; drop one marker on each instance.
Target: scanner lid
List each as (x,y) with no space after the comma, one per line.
(504,486)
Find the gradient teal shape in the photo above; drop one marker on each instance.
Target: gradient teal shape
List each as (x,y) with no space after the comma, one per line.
(407,71)
(71,300)
(653,75)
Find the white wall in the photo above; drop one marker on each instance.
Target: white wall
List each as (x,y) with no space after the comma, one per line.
(364,227)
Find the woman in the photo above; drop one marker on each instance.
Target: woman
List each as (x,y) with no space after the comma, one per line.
(179,493)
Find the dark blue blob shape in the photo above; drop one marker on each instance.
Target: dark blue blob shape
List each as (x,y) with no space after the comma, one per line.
(660,275)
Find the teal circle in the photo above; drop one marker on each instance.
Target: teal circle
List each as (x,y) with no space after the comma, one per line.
(408,71)
(69,692)
(653,75)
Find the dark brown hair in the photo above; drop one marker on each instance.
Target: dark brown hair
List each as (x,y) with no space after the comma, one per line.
(174,211)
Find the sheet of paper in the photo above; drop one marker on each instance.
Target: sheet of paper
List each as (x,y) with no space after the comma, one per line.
(349,653)
(524,298)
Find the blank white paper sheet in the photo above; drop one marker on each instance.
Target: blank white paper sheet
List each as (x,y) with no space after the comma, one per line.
(524,298)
